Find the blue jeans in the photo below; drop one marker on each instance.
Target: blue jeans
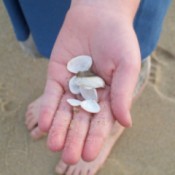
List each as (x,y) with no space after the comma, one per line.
(44,18)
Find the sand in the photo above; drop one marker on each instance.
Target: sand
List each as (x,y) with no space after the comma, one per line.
(145,149)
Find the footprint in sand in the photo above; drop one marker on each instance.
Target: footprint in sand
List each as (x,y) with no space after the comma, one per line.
(162,74)
(6,105)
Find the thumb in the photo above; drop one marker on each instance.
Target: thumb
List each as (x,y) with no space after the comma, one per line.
(123,84)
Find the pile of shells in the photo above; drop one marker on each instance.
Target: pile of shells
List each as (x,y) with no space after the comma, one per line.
(85,83)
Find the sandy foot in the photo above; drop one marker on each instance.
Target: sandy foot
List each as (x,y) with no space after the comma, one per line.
(82,167)
(91,168)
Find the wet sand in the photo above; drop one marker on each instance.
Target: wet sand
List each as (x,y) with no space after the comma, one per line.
(145,149)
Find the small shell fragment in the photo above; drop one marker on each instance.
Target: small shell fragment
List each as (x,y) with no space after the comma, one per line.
(73,87)
(79,64)
(89,94)
(90,82)
(90,106)
(74,102)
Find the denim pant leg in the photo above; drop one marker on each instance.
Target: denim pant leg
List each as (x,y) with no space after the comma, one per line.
(148,24)
(45,18)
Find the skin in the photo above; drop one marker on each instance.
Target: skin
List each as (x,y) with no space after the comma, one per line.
(103,30)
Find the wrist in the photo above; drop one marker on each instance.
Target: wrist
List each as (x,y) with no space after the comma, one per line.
(127,8)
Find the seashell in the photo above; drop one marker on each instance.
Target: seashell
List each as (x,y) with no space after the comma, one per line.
(74,102)
(79,64)
(90,82)
(85,74)
(89,94)
(90,106)
(73,87)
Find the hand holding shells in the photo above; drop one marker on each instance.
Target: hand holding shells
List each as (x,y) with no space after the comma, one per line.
(105,95)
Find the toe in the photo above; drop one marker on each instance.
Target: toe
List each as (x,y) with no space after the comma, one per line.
(28,113)
(32,123)
(29,118)
(77,171)
(76,136)
(34,103)
(91,172)
(99,130)
(70,170)
(32,110)
(31,105)
(36,133)
(85,172)
(61,168)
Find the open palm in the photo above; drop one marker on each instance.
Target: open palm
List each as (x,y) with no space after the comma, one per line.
(111,42)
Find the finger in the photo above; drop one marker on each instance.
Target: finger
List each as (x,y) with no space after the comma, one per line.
(76,137)
(58,131)
(49,103)
(99,129)
(123,85)
(57,83)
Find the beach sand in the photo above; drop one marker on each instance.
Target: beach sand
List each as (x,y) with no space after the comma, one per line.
(145,149)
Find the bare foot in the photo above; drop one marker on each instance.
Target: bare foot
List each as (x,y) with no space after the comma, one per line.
(91,168)
(31,120)
(82,167)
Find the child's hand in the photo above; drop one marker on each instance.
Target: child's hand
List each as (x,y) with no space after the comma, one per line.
(108,37)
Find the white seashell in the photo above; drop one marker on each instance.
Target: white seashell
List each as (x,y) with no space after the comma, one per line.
(90,82)
(90,106)
(73,87)
(89,94)
(74,102)
(79,64)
